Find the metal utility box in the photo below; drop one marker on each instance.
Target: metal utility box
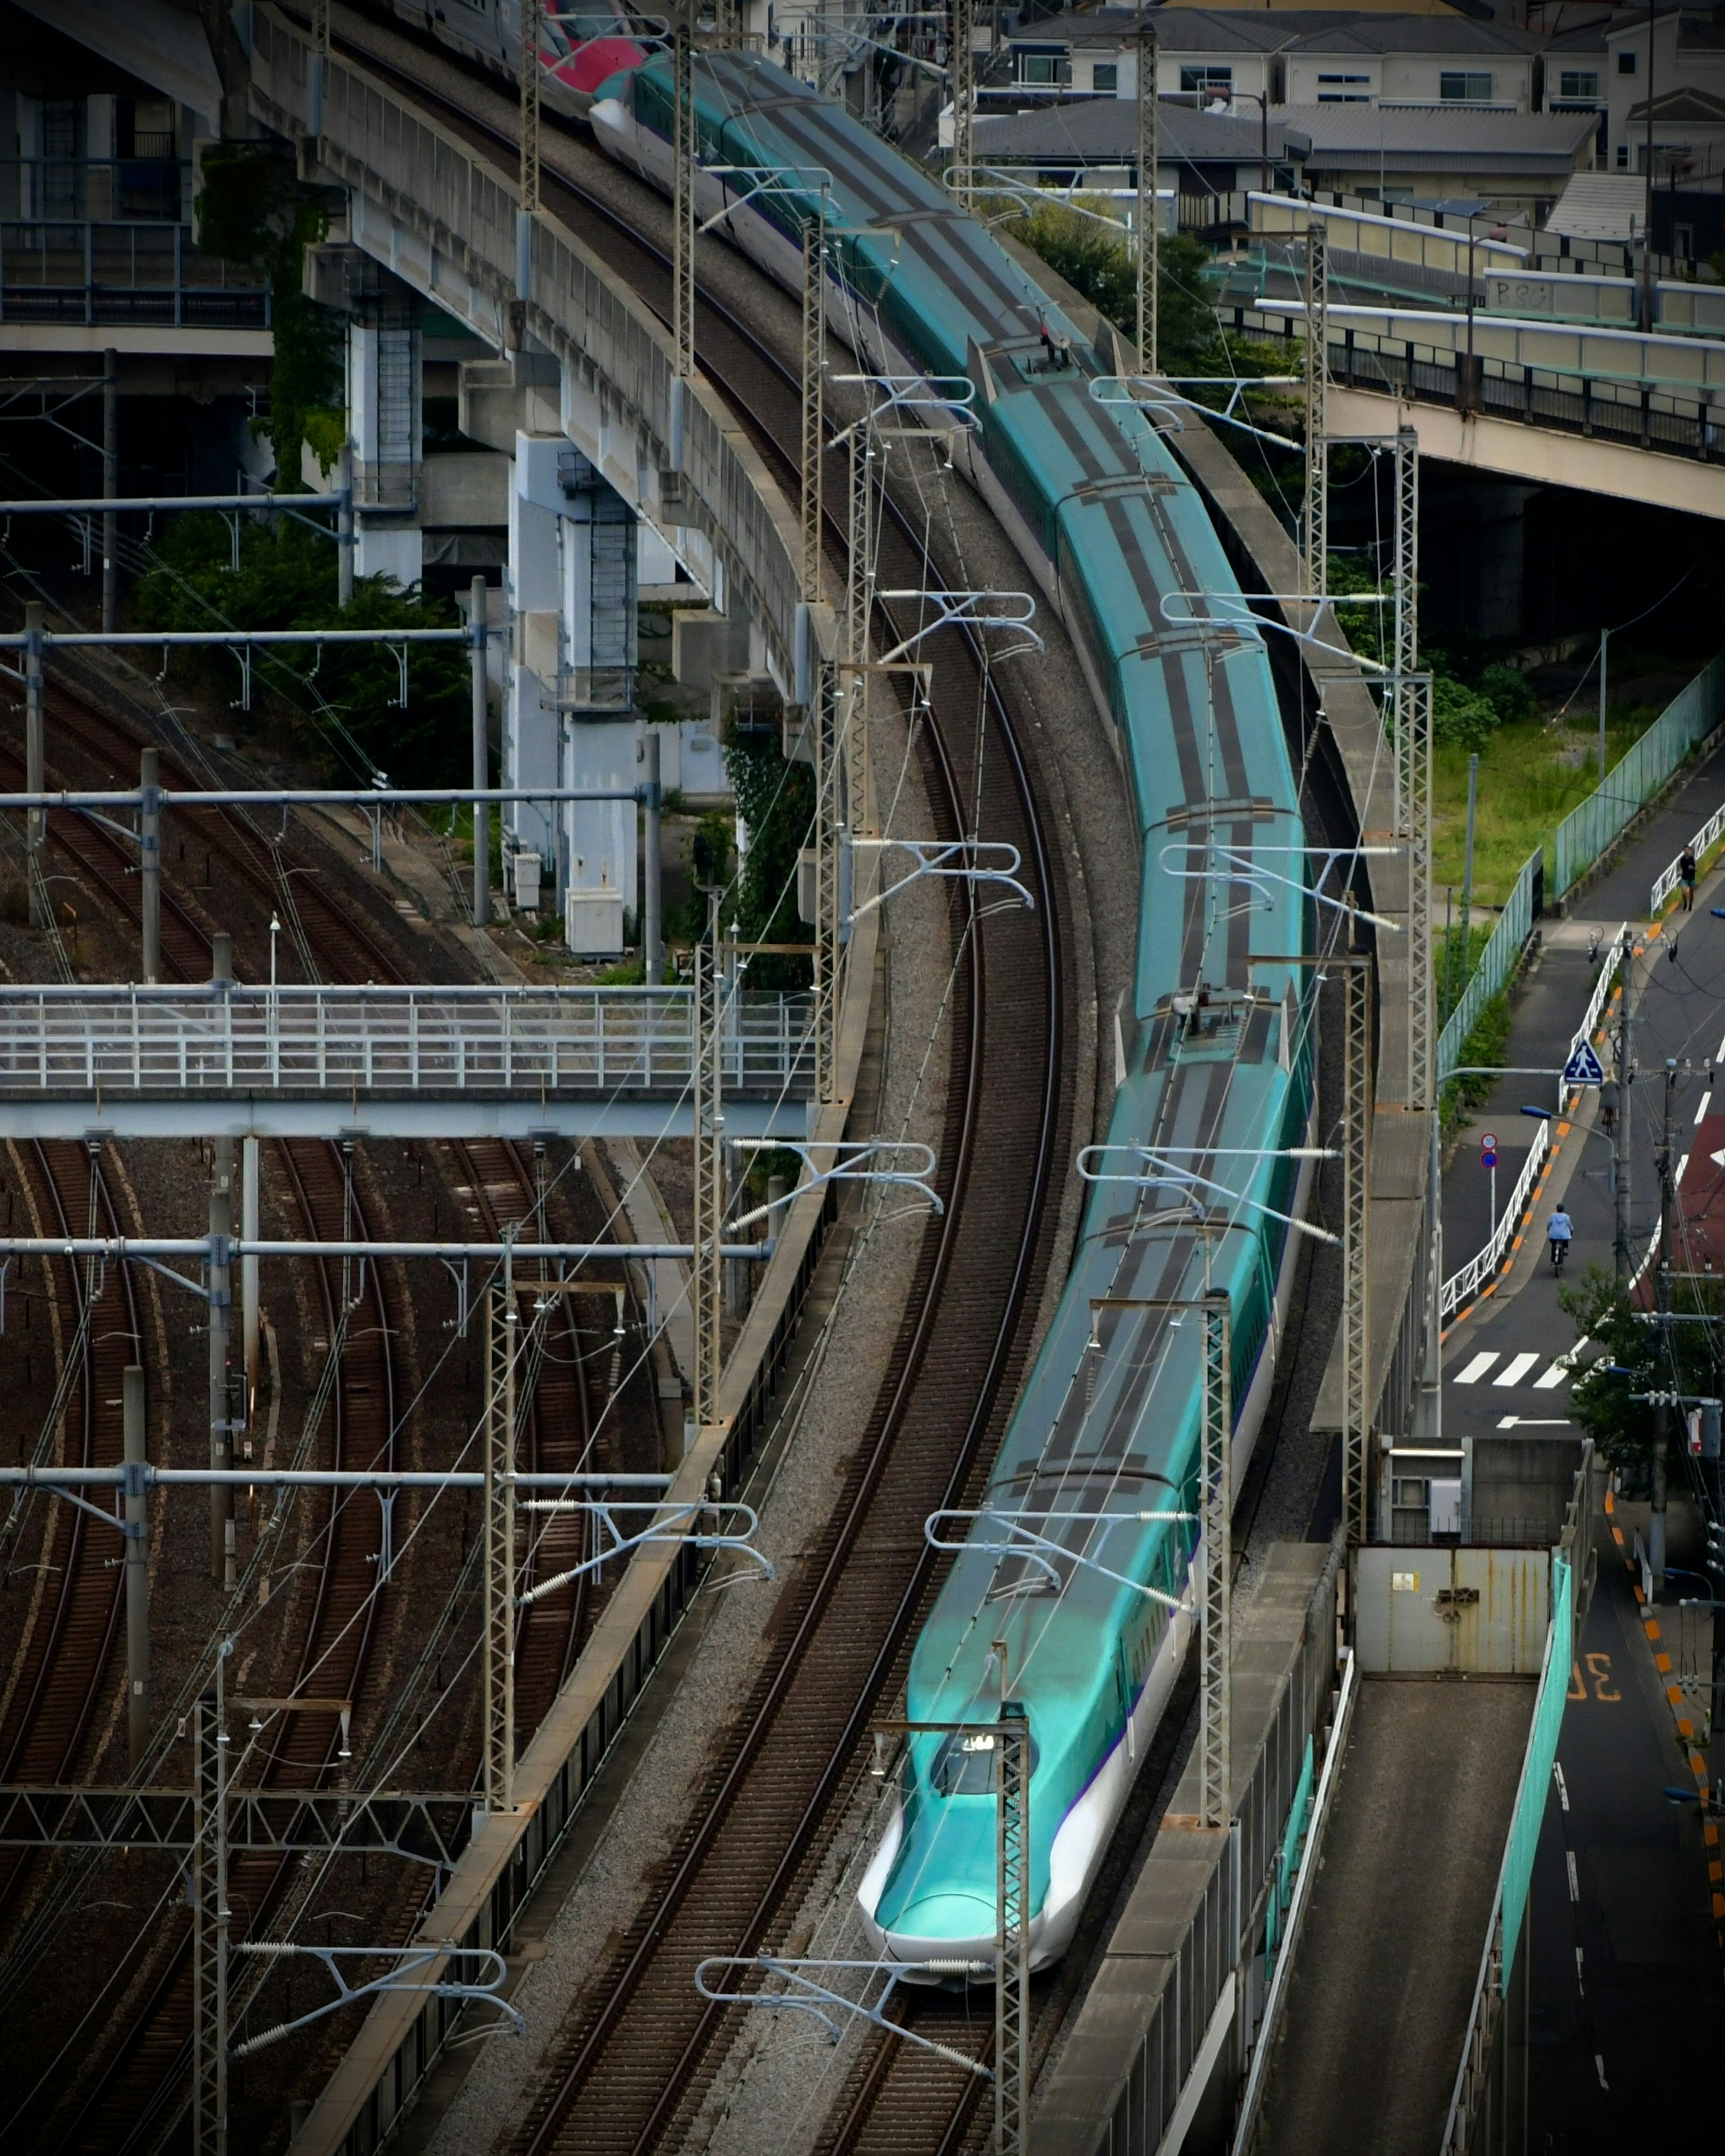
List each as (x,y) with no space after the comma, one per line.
(1436,1611)
(593,922)
(524,870)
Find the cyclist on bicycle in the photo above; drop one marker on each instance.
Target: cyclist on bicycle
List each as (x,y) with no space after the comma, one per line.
(1558,1229)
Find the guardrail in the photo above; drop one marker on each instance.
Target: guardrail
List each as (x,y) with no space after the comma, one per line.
(1463,1285)
(1665,884)
(1593,825)
(1595,394)
(1480,2049)
(1503,948)
(309,1039)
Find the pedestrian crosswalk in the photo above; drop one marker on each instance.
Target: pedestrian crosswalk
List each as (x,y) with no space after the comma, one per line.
(1517,1369)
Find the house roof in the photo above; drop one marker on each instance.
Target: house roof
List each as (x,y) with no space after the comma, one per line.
(1446,138)
(1698,107)
(1600,206)
(1104,130)
(1275,30)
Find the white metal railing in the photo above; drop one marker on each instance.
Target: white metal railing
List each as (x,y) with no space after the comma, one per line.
(60,1039)
(1700,845)
(1463,1285)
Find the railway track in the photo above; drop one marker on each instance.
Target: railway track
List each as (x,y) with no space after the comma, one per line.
(126,2099)
(628,2071)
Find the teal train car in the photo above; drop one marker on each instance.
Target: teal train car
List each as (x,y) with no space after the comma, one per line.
(1086,1630)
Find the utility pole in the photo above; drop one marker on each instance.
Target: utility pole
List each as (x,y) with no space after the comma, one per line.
(502,1342)
(1662,1303)
(111,488)
(706,1286)
(1646,305)
(1149,216)
(1604,640)
(527,205)
(218,1280)
(1318,455)
(150,860)
(1623,1069)
(964,99)
(652,848)
(477,611)
(137,1575)
(35,820)
(210,1917)
(1012,1937)
(682,224)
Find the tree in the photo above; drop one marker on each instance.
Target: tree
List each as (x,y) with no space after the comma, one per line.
(1641,1357)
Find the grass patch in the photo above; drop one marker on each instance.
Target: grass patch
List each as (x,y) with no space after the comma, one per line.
(1486,1043)
(1525,792)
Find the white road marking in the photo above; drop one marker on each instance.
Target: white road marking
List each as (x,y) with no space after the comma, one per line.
(1574,1876)
(1579,1985)
(1477,1368)
(1599,2068)
(1515,1369)
(1707,1102)
(1561,1368)
(1557,1775)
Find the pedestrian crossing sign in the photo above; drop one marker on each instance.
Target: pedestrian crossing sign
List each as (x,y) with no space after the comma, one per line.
(1583,1068)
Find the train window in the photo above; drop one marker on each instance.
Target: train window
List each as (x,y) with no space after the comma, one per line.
(965,1764)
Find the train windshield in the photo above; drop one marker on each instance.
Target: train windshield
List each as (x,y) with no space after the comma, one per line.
(567,29)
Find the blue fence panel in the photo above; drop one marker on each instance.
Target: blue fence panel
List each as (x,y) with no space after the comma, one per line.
(1504,946)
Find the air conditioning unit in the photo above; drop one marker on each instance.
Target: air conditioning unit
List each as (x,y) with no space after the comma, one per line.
(593,922)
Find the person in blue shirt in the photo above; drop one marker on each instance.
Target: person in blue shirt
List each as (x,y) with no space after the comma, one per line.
(1558,1229)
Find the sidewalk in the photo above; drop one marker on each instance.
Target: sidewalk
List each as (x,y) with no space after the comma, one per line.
(1548,1005)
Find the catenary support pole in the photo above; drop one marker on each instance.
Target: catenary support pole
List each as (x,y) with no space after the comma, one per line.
(1012,1932)
(150,860)
(1604,644)
(251,1327)
(1149,215)
(478,604)
(111,488)
(35,820)
(138,1576)
(652,851)
(963,98)
(1356,1313)
(1218,1509)
(219,1282)
(1315,531)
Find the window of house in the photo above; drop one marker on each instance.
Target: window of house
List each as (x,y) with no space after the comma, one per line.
(1208,81)
(1042,68)
(1104,76)
(1626,63)
(1573,82)
(1464,88)
(1344,89)
(1623,156)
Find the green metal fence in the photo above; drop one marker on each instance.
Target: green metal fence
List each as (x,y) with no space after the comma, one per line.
(1504,946)
(1542,1751)
(1593,824)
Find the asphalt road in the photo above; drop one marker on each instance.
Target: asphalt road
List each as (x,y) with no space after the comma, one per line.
(1627,2008)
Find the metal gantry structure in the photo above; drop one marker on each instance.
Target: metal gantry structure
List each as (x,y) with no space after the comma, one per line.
(1315,521)
(1149,265)
(964,73)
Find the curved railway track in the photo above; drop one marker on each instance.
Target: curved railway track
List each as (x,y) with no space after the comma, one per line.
(629,2069)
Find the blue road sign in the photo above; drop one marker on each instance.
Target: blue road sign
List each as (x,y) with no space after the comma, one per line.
(1583,1068)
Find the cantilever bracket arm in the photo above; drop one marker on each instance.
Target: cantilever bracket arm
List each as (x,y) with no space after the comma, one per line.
(965,610)
(1241,864)
(663,1527)
(408,1962)
(850,1164)
(806,1994)
(1022,1541)
(961,860)
(1162,1171)
(1157,401)
(768,179)
(911,393)
(1243,617)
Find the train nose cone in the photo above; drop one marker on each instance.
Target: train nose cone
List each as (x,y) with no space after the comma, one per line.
(938,1925)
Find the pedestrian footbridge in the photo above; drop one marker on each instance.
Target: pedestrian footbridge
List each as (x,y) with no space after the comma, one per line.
(390,1062)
